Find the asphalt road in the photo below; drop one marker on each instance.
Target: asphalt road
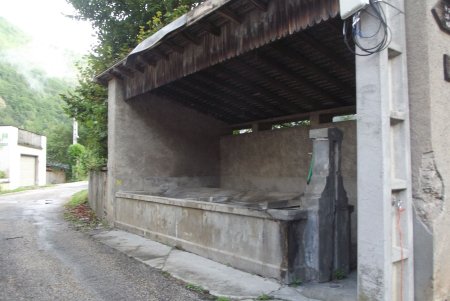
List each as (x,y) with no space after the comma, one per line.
(43,258)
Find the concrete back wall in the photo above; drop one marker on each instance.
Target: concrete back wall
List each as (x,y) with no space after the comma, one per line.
(156,142)
(279,160)
(268,160)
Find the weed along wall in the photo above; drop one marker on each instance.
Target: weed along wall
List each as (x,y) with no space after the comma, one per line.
(178,177)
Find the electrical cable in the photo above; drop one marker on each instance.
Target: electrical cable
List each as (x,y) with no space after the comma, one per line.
(354,35)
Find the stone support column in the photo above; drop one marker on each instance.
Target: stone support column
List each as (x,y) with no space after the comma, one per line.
(328,227)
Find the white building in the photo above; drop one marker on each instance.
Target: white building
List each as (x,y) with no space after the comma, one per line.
(23,157)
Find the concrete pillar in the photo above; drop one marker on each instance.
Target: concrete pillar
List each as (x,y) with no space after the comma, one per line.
(115,101)
(385,259)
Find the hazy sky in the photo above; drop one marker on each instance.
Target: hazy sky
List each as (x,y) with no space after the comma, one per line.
(54,37)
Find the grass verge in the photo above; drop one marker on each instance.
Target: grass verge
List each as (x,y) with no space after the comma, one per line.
(79,213)
(20,189)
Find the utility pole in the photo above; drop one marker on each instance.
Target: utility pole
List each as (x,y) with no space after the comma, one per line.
(75,131)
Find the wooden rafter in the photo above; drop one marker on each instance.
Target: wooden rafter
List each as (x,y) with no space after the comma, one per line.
(213,93)
(188,102)
(211,28)
(175,47)
(210,107)
(271,97)
(114,72)
(250,103)
(293,76)
(122,69)
(278,85)
(319,47)
(144,59)
(261,5)
(230,15)
(348,110)
(299,58)
(159,53)
(237,79)
(190,37)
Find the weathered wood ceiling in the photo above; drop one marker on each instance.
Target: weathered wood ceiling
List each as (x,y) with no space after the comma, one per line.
(306,72)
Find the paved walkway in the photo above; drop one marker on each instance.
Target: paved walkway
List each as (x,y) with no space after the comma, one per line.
(219,279)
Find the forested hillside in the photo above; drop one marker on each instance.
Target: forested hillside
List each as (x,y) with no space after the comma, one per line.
(29,99)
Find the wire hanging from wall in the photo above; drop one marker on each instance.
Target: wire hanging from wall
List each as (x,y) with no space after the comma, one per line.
(355,34)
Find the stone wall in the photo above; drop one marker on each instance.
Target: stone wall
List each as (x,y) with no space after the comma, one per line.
(56,176)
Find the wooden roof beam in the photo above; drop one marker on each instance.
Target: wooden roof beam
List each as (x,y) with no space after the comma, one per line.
(188,102)
(272,98)
(231,103)
(159,53)
(348,110)
(184,92)
(279,85)
(310,85)
(230,15)
(191,38)
(114,72)
(316,45)
(203,97)
(134,64)
(259,4)
(139,67)
(175,47)
(299,58)
(144,59)
(125,70)
(211,28)
(250,102)
(272,107)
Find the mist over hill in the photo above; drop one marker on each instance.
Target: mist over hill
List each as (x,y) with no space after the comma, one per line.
(29,98)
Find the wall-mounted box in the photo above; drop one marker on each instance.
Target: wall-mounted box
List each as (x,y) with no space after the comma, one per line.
(349,7)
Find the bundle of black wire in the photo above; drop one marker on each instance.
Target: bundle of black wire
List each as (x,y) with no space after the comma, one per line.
(353,34)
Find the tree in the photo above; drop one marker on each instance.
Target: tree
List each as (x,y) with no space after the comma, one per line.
(59,139)
(120,25)
(76,152)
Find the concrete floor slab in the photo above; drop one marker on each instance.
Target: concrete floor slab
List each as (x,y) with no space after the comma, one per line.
(342,290)
(291,294)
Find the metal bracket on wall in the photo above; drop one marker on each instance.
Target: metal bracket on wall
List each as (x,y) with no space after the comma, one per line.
(441,12)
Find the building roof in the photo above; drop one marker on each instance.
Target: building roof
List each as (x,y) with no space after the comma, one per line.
(245,60)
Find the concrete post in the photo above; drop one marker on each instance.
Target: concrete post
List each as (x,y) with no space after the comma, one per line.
(385,261)
(115,100)
(327,248)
